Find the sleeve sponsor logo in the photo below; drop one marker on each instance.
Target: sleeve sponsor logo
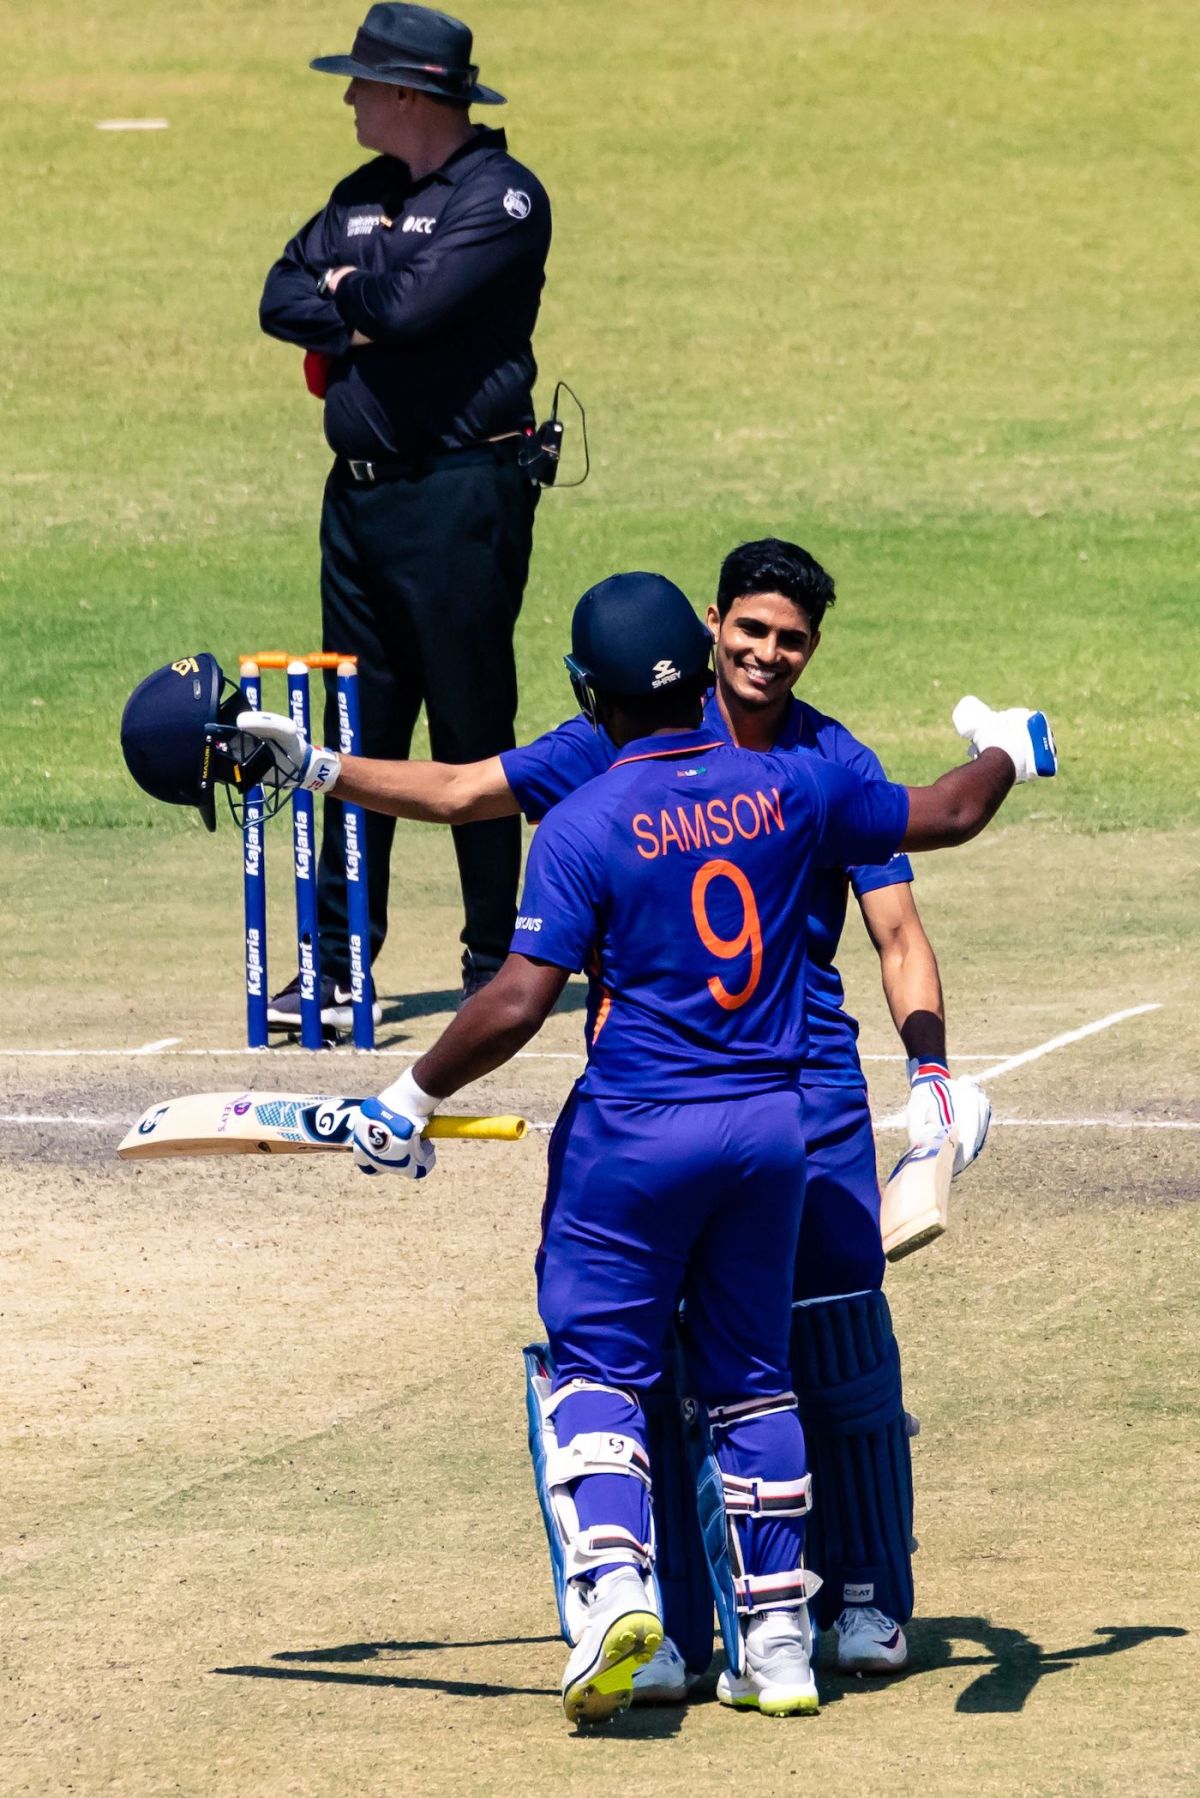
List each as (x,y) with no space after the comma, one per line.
(517,203)
(529,924)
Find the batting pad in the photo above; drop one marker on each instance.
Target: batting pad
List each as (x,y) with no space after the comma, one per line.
(687,1602)
(846,1370)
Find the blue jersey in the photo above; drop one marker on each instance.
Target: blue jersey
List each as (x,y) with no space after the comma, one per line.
(543,772)
(674,879)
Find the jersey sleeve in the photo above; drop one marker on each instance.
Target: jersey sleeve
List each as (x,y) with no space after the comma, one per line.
(561,904)
(291,308)
(867,877)
(858,821)
(543,772)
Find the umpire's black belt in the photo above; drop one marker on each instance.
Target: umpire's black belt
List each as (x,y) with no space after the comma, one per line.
(412,468)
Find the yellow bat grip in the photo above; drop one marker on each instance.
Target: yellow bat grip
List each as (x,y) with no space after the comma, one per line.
(502,1129)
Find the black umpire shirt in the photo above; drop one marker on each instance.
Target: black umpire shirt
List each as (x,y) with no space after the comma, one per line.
(452,272)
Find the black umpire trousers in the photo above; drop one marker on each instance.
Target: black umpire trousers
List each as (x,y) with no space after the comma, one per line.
(422,578)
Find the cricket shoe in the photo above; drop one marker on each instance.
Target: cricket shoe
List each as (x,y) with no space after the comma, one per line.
(869,1642)
(664,1679)
(621,1632)
(778,1677)
(337,1012)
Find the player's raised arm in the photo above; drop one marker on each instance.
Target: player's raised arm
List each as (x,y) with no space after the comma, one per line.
(1006,748)
(427,792)
(554,935)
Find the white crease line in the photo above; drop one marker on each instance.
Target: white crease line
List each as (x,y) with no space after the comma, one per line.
(881,1124)
(165,1047)
(895,1118)
(310,1055)
(1061,1042)
(81,1123)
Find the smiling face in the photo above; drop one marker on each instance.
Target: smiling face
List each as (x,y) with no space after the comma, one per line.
(764,644)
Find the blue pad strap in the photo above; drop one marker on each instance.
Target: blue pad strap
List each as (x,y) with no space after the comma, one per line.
(538,1365)
(687,1604)
(714,1526)
(846,1370)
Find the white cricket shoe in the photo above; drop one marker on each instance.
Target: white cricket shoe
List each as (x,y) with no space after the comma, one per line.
(621,1632)
(664,1679)
(778,1680)
(869,1642)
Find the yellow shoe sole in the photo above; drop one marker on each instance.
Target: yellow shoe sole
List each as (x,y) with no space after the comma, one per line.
(808,1706)
(607,1687)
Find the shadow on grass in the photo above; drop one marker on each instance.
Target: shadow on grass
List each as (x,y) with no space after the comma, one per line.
(1013,1665)
(406,1006)
(1014,1662)
(326,1666)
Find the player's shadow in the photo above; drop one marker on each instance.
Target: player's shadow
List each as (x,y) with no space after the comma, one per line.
(1013,1662)
(444,1002)
(330,1666)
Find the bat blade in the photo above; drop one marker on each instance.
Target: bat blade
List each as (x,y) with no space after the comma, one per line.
(916,1199)
(260,1123)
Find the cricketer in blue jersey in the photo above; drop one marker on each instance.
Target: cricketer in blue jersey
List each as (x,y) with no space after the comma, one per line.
(677,1166)
(770,605)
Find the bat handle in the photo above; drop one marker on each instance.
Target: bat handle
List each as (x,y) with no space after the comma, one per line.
(477,1129)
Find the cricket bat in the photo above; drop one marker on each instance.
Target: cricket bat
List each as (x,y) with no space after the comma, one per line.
(916,1199)
(252,1123)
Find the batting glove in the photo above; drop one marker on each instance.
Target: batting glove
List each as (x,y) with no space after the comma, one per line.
(298,763)
(930,1109)
(387,1142)
(1025,737)
(936,1103)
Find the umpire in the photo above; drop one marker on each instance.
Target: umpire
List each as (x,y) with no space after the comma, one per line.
(414,293)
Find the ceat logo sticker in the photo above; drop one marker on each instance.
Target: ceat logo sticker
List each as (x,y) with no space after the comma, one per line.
(517,203)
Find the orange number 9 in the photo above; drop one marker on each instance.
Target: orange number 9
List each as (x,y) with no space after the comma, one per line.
(749,937)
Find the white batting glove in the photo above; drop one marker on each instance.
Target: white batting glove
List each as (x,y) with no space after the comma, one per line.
(972,1114)
(298,763)
(387,1142)
(1025,737)
(936,1103)
(930,1108)
(388,1131)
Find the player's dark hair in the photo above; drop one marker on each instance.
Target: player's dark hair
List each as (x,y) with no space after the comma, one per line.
(771,565)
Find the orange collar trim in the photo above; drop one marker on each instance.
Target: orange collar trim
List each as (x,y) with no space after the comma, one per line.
(662,755)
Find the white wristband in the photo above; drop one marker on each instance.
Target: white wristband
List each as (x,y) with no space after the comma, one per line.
(321,771)
(406,1096)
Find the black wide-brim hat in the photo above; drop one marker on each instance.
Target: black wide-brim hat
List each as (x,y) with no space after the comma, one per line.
(414,46)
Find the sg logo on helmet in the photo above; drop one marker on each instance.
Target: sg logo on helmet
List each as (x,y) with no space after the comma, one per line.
(188,665)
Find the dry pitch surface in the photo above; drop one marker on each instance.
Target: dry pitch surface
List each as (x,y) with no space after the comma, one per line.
(269,1525)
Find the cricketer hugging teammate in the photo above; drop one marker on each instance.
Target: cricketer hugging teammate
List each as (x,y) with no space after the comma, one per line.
(677,1169)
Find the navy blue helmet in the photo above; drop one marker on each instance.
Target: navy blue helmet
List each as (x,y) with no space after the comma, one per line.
(178,740)
(634,635)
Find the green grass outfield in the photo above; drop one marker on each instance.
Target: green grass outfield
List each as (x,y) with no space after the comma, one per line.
(912,283)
